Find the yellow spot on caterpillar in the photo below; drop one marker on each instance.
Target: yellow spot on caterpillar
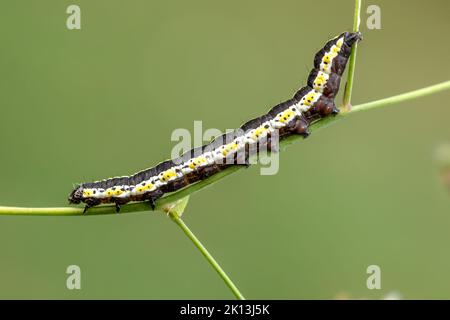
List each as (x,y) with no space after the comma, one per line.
(167,175)
(233,146)
(258,132)
(196,162)
(144,186)
(87,193)
(288,114)
(320,81)
(225,150)
(309,98)
(200,160)
(340,42)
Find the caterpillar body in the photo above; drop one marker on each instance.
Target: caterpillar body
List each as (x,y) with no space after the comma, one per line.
(292,117)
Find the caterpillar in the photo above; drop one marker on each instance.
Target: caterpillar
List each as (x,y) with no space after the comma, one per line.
(292,117)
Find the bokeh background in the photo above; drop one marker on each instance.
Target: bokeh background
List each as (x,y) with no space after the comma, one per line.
(86,104)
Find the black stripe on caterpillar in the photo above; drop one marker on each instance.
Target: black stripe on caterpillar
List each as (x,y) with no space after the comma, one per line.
(312,102)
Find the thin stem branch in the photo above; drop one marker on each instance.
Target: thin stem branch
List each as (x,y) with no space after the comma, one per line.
(402,97)
(127,208)
(176,218)
(352,61)
(170,198)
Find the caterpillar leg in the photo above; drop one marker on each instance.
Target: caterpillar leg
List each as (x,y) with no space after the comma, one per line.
(301,127)
(335,111)
(242,158)
(152,197)
(152,203)
(206,172)
(328,108)
(119,202)
(90,202)
(273,145)
(245,164)
(269,143)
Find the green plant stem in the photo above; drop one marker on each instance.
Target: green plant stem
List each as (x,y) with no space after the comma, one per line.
(352,61)
(175,217)
(170,198)
(402,97)
(109,209)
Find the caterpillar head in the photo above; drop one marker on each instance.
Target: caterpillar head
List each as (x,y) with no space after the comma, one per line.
(352,37)
(76,195)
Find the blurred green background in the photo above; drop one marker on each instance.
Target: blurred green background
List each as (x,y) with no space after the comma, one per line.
(87,104)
